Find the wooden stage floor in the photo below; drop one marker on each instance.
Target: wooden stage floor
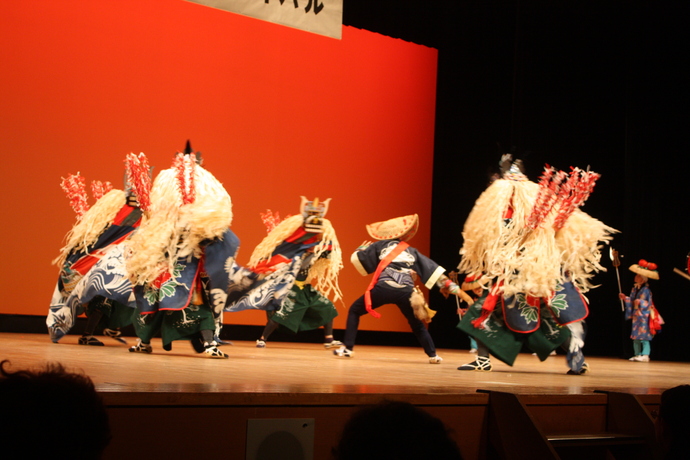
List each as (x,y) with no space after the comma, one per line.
(301,370)
(300,381)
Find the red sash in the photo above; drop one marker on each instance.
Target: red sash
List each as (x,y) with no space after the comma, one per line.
(382,264)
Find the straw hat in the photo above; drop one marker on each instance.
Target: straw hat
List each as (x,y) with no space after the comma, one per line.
(644,268)
(403,228)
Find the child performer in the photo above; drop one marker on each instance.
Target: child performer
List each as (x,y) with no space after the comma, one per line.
(639,307)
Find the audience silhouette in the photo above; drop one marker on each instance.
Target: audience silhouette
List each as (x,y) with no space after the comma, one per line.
(395,430)
(673,423)
(51,413)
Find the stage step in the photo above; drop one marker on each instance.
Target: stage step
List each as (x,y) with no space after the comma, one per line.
(569,440)
(597,446)
(513,433)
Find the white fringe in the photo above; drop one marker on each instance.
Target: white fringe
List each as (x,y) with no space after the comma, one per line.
(92,224)
(526,260)
(324,271)
(170,231)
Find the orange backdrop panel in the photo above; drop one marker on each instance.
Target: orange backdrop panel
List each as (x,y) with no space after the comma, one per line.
(276,112)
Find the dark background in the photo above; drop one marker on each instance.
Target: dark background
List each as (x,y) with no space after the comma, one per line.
(599,84)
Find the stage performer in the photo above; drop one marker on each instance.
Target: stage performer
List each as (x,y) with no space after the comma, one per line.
(92,275)
(181,260)
(395,264)
(296,266)
(474,285)
(639,307)
(539,251)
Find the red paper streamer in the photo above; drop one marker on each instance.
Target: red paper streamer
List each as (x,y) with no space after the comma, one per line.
(74,186)
(98,188)
(578,188)
(139,178)
(270,219)
(185,166)
(549,189)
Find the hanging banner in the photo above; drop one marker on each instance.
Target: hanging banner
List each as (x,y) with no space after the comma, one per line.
(323,17)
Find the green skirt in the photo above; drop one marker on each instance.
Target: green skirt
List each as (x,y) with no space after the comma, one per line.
(174,325)
(114,315)
(304,309)
(505,344)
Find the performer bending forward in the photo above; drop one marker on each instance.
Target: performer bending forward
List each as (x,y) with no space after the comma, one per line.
(297,267)
(181,260)
(394,264)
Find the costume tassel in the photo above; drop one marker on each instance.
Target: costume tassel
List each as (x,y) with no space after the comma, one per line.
(98,188)
(184,165)
(578,188)
(74,186)
(549,190)
(137,169)
(270,219)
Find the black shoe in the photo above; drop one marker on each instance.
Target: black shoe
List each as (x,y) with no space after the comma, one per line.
(332,344)
(583,370)
(482,363)
(115,334)
(141,347)
(213,352)
(90,340)
(344,352)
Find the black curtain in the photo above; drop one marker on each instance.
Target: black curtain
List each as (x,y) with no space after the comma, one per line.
(598,84)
